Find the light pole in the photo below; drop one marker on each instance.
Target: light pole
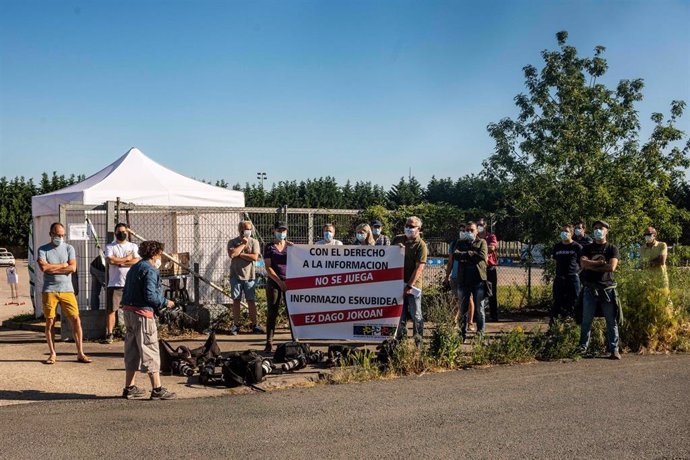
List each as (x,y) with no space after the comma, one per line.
(262,177)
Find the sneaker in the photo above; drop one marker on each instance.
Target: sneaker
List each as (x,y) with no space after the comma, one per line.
(108,339)
(256,329)
(234,330)
(581,350)
(133,392)
(162,393)
(615,355)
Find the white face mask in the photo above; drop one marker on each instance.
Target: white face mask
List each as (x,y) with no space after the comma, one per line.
(410,232)
(157,263)
(480,229)
(58,240)
(247,233)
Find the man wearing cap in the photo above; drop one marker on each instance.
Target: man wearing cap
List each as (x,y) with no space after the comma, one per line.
(599,260)
(415,261)
(379,237)
(243,251)
(653,254)
(491,266)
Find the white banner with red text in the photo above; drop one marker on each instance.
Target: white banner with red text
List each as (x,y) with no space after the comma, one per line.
(344,292)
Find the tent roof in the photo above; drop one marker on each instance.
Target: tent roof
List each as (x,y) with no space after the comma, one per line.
(136,178)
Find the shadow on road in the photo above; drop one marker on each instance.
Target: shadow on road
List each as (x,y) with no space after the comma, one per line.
(38,395)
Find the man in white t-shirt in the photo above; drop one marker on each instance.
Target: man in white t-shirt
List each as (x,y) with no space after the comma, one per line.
(120,254)
(329,236)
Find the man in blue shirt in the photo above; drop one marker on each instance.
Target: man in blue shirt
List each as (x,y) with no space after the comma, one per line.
(57,260)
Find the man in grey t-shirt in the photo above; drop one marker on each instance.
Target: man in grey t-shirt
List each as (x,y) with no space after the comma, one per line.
(57,260)
(244,251)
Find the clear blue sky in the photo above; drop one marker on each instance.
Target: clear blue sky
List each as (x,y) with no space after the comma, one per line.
(301,89)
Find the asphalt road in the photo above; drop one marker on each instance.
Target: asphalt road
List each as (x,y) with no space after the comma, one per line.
(635,408)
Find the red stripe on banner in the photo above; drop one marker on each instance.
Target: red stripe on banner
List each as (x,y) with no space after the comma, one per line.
(346,316)
(342,279)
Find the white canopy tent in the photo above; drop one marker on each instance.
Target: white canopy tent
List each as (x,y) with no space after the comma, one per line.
(133,178)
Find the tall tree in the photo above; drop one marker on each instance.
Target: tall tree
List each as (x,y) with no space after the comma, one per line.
(573,152)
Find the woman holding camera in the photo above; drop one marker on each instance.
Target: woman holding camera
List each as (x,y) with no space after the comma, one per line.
(141,299)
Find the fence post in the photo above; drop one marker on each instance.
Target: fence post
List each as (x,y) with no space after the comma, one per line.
(196,284)
(310,227)
(529,274)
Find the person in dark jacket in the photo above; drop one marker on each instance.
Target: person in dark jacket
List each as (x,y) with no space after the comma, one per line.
(471,254)
(141,299)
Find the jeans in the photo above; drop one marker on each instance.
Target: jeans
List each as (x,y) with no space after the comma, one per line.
(492,277)
(565,292)
(274,295)
(477,293)
(607,301)
(412,309)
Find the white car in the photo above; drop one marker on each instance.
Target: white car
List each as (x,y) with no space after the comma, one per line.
(6,258)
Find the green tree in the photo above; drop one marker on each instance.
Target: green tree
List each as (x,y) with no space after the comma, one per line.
(405,193)
(574,152)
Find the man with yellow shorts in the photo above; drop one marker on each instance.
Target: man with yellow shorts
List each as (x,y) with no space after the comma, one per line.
(57,260)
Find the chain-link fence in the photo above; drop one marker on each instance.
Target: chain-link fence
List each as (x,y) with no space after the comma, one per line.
(203,234)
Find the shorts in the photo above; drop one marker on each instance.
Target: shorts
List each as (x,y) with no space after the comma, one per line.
(67,301)
(113,299)
(237,286)
(141,343)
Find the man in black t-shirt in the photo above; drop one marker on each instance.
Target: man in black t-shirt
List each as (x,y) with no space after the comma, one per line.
(566,284)
(599,260)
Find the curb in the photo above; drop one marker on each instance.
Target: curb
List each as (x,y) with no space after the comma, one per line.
(26,327)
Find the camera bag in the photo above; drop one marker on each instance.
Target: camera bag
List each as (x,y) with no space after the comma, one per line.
(290,350)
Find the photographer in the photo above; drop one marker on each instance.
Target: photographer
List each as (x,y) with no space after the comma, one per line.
(471,254)
(140,300)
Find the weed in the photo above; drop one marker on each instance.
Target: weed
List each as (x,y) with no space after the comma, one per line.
(445,347)
(559,342)
(508,347)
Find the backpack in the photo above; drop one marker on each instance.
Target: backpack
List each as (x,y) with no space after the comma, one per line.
(290,350)
(245,368)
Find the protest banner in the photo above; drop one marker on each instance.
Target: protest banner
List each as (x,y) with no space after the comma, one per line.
(344,292)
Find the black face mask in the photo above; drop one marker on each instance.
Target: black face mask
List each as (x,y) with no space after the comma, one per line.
(121,236)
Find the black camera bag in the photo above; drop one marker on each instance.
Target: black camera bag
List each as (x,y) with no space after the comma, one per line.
(242,368)
(290,350)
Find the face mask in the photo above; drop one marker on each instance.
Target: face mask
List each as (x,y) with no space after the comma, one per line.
(57,240)
(247,233)
(565,236)
(579,232)
(328,236)
(361,237)
(469,236)
(376,231)
(480,229)
(157,264)
(462,235)
(410,232)
(280,235)
(598,234)
(648,238)
(121,236)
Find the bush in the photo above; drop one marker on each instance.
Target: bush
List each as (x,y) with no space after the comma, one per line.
(655,317)
(507,348)
(446,346)
(561,341)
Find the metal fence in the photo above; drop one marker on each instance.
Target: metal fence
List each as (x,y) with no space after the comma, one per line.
(203,233)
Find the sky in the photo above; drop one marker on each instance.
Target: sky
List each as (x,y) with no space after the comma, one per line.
(358,90)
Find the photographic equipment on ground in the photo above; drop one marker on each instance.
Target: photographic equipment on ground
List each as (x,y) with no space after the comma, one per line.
(295,364)
(290,350)
(193,357)
(246,368)
(386,351)
(315,357)
(337,354)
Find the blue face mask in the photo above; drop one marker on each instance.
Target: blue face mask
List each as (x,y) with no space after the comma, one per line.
(361,237)
(280,235)
(376,231)
(58,240)
(328,236)
(469,236)
(579,232)
(565,236)
(598,234)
